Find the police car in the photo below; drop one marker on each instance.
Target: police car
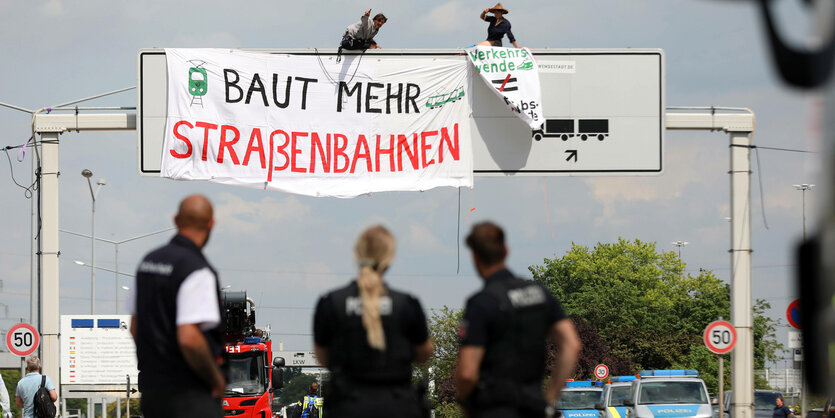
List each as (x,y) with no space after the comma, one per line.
(578,399)
(669,394)
(615,393)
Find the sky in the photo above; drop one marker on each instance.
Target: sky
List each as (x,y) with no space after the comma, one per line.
(286,250)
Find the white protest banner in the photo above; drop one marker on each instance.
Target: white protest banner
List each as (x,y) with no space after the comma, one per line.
(512,72)
(313,126)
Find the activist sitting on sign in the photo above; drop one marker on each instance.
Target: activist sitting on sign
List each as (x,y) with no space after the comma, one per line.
(499,26)
(360,35)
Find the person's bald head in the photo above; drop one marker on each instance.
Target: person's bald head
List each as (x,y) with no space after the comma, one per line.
(195,218)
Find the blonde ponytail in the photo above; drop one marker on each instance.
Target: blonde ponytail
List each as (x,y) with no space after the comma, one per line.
(374,251)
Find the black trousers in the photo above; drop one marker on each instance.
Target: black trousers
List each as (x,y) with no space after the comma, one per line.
(504,398)
(504,411)
(180,403)
(352,44)
(376,403)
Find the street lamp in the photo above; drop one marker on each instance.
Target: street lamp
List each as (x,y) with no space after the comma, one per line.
(116,247)
(81,263)
(803,187)
(101,182)
(680,244)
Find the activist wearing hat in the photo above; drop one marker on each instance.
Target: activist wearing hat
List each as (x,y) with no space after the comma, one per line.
(498,8)
(499,26)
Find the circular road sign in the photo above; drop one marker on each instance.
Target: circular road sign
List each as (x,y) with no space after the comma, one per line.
(793,314)
(22,340)
(601,371)
(720,337)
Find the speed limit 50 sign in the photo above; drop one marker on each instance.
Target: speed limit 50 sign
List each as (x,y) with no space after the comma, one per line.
(22,340)
(720,337)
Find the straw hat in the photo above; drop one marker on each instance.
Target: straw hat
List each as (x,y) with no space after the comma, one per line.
(499,8)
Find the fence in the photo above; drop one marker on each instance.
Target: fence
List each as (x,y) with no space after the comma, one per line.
(786,381)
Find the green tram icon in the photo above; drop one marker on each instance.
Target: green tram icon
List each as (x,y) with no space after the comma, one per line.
(197,82)
(441,99)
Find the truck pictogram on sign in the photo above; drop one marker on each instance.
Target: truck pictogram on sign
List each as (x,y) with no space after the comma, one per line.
(565,129)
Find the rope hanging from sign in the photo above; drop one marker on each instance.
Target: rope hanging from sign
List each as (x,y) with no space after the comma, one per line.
(458,236)
(327,74)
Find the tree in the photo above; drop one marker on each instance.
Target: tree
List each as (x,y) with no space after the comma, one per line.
(443,329)
(636,298)
(134,407)
(296,389)
(645,308)
(634,308)
(289,374)
(79,404)
(10,378)
(766,347)
(595,351)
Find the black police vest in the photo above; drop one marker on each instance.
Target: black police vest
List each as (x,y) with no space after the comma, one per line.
(351,357)
(159,277)
(516,348)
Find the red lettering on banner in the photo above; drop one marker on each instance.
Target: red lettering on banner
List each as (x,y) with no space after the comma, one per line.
(256,134)
(362,142)
(294,151)
(187,154)
(454,150)
(425,147)
(280,149)
(224,144)
(327,150)
(316,143)
(339,151)
(206,127)
(403,144)
(389,151)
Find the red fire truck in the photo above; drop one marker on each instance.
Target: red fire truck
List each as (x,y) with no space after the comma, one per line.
(252,377)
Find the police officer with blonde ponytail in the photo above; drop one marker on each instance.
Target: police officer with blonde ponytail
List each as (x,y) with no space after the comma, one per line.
(369,335)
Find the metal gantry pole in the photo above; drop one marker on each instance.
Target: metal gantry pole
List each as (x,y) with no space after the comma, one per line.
(742,357)
(49,252)
(49,127)
(739,123)
(803,386)
(34,277)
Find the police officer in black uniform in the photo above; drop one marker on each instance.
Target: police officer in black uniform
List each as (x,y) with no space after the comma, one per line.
(176,322)
(368,335)
(501,361)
